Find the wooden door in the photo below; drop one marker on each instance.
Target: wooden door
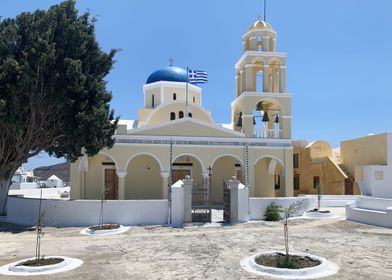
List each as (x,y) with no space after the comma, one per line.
(348,187)
(111,184)
(179,174)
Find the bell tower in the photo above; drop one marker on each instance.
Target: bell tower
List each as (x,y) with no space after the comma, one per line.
(262,108)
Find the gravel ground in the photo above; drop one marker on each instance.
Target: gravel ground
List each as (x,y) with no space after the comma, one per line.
(361,251)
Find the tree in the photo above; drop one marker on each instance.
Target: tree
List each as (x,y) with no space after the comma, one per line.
(289,212)
(53,95)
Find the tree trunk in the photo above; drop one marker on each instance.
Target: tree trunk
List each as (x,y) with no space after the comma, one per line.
(5,184)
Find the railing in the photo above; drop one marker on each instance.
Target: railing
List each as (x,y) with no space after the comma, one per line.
(267,133)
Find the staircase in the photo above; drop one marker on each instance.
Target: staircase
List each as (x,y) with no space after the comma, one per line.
(345,170)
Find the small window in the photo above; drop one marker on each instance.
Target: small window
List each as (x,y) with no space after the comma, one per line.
(378,175)
(180,114)
(172,116)
(316,182)
(296,182)
(296,161)
(194,99)
(174,96)
(190,115)
(153,101)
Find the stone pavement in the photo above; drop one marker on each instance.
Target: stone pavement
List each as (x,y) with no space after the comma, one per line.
(361,251)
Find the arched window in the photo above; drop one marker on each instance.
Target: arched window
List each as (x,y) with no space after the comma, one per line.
(194,99)
(174,96)
(259,81)
(190,115)
(172,116)
(180,114)
(153,101)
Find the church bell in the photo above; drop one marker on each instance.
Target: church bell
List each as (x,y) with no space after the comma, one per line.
(265,117)
(239,123)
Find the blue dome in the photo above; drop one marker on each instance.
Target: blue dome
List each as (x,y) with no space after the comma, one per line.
(169,73)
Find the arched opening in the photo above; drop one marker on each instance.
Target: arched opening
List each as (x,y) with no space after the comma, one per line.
(143,180)
(153,101)
(259,43)
(194,99)
(267,117)
(268,181)
(174,96)
(190,115)
(187,165)
(180,114)
(259,81)
(224,167)
(274,67)
(172,116)
(258,74)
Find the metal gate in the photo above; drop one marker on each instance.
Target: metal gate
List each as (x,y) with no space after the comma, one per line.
(201,202)
(226,202)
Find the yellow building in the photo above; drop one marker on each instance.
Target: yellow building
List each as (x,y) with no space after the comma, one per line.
(175,135)
(365,151)
(316,165)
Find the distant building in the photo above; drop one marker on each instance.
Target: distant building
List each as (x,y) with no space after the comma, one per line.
(316,164)
(60,170)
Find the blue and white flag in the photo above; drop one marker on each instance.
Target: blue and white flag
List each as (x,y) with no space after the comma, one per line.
(197,76)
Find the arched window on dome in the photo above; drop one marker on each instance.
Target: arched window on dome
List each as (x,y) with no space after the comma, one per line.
(174,96)
(180,114)
(153,101)
(194,99)
(172,116)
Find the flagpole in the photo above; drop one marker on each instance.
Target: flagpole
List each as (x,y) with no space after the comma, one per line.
(186,92)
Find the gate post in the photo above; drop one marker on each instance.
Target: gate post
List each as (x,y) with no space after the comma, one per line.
(233,183)
(187,185)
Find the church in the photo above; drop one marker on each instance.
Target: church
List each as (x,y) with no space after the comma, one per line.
(175,136)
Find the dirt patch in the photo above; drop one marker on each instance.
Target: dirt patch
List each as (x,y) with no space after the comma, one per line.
(279,260)
(41,262)
(105,227)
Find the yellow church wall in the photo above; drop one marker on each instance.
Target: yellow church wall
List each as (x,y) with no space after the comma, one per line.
(143,179)
(122,154)
(163,113)
(187,129)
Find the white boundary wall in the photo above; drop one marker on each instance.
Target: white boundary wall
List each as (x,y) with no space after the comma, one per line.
(258,205)
(52,193)
(371,210)
(332,200)
(68,213)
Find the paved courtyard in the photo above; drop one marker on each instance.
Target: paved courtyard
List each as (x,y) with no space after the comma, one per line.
(362,252)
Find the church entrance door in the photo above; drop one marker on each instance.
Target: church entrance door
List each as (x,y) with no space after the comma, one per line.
(111,183)
(179,174)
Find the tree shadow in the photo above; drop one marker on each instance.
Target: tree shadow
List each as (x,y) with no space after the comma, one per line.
(15,228)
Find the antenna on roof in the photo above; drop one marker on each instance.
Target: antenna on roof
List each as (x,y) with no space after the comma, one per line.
(265,10)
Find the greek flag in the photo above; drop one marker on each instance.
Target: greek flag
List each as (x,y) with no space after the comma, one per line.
(197,76)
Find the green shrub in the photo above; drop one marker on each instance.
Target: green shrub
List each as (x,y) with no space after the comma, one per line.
(287,262)
(272,212)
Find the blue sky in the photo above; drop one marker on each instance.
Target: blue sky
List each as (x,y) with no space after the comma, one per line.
(338,67)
